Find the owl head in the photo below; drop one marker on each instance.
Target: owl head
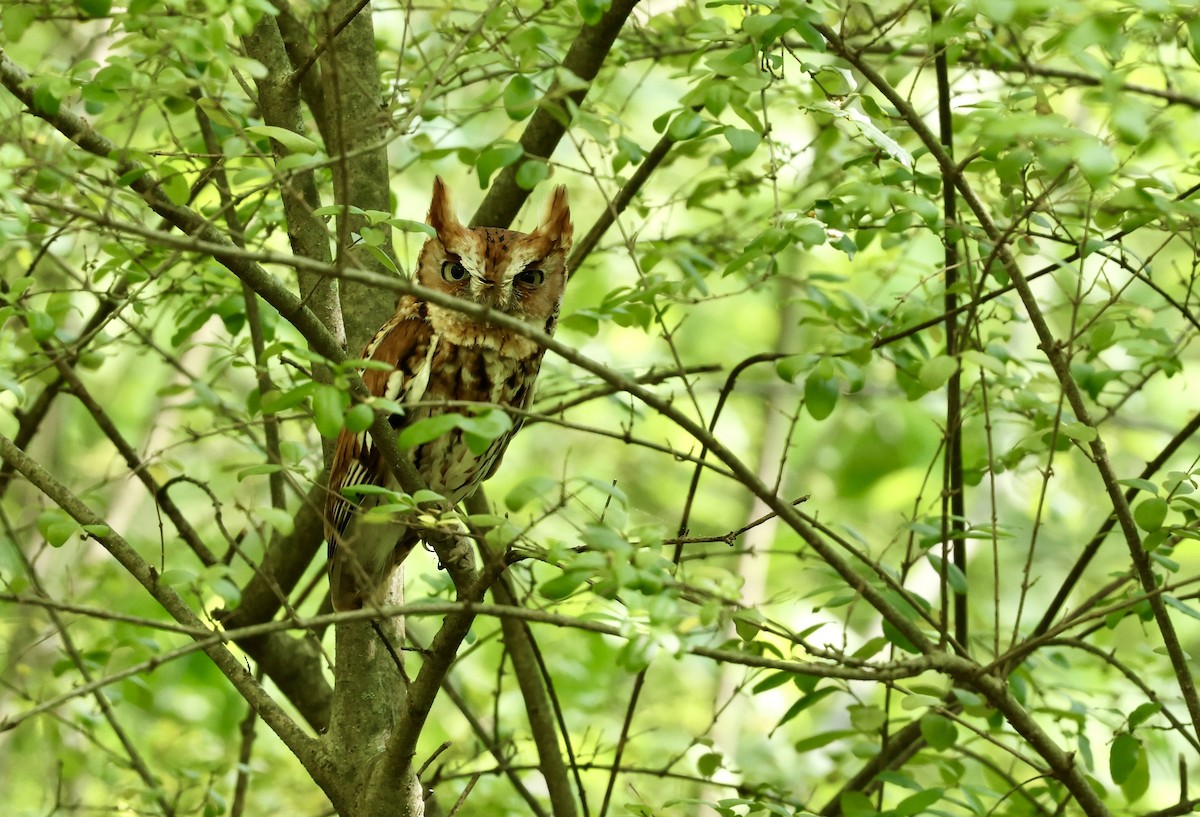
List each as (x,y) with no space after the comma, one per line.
(522,274)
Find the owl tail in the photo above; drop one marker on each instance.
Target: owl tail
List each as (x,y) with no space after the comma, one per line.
(361,564)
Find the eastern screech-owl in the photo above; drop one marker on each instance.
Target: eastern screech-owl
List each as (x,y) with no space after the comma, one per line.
(437,354)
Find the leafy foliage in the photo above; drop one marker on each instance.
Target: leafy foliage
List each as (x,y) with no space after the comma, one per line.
(861,482)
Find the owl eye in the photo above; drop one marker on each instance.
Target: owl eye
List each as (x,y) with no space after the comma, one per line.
(531,276)
(453,271)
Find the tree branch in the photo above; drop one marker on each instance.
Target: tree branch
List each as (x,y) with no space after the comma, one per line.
(550,121)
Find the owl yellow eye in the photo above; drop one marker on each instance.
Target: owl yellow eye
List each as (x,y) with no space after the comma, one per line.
(453,271)
(531,276)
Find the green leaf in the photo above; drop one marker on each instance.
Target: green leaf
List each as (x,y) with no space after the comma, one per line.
(562,586)
(41,325)
(857,804)
(177,577)
(868,129)
(45,99)
(329,409)
(1150,513)
(496,157)
(94,8)
(820,395)
(16,19)
(277,518)
(274,402)
(407,226)
(57,533)
(936,371)
(229,592)
(592,10)
(741,141)
(708,764)
(824,739)
(917,803)
(485,427)
(532,173)
(686,125)
(259,470)
(1123,756)
(1078,431)
(1143,713)
(1179,605)
(359,418)
(938,731)
(97,530)
(1193,27)
(528,490)
(423,431)
(954,576)
(520,97)
(290,140)
(807,701)
(1140,484)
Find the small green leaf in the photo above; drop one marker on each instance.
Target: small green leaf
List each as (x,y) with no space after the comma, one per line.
(496,157)
(708,763)
(741,141)
(359,418)
(685,125)
(274,402)
(423,431)
(528,490)
(278,519)
(16,19)
(1141,484)
(1193,27)
(1143,713)
(94,8)
(482,429)
(820,395)
(406,226)
(329,409)
(290,140)
(97,530)
(532,173)
(777,679)
(562,586)
(918,803)
(520,97)
(1172,601)
(1123,756)
(954,576)
(177,577)
(592,10)
(229,592)
(45,100)
(41,325)
(259,470)
(824,739)
(57,533)
(936,371)
(939,731)
(1150,513)
(1078,431)
(807,701)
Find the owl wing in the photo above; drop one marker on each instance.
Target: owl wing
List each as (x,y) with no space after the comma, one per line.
(403,343)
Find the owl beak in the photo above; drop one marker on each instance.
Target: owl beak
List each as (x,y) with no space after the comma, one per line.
(489,292)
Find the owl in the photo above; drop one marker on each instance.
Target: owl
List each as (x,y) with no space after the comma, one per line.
(435,354)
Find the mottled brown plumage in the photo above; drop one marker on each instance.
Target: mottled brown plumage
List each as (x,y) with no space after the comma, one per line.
(437,354)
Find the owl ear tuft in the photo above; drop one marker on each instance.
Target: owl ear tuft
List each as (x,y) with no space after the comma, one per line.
(556,224)
(442,217)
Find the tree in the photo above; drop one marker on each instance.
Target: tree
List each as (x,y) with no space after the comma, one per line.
(862,474)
